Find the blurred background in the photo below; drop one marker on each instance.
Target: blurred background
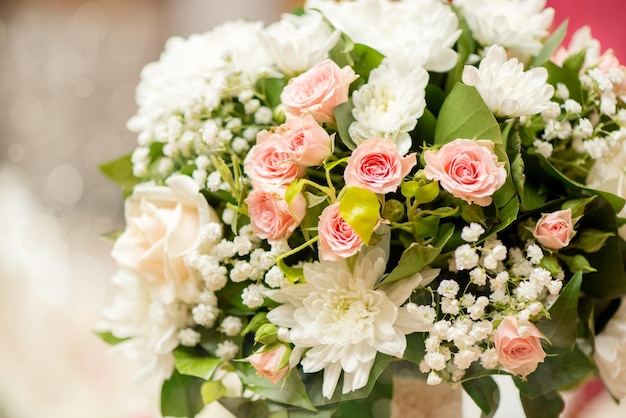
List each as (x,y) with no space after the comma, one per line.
(68,70)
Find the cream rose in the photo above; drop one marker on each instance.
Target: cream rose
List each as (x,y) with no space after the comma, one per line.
(610,353)
(518,346)
(376,165)
(555,230)
(337,239)
(467,169)
(318,91)
(271,217)
(162,227)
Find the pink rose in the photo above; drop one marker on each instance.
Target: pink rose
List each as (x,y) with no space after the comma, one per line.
(308,143)
(337,239)
(377,166)
(318,91)
(270,215)
(518,347)
(466,169)
(270,165)
(555,230)
(272,364)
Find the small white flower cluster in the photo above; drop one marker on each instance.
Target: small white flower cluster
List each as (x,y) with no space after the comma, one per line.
(596,127)
(238,260)
(501,282)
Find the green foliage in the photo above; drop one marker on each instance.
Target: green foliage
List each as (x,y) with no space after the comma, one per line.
(212,391)
(109,338)
(551,45)
(296,395)
(195,362)
(560,329)
(548,405)
(181,396)
(271,88)
(464,114)
(360,208)
(485,393)
(561,368)
(121,172)
(343,119)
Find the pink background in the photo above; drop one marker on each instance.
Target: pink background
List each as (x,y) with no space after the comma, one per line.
(607,19)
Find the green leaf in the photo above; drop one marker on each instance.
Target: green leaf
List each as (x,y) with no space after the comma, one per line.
(360,208)
(271,88)
(609,281)
(121,172)
(466,45)
(551,45)
(109,338)
(560,370)
(413,260)
(193,362)
(343,119)
(464,114)
(365,60)
(615,201)
(561,328)
(212,391)
(549,405)
(180,396)
(254,324)
(292,274)
(569,78)
(485,393)
(415,347)
(575,62)
(425,129)
(591,240)
(246,408)
(325,412)
(577,263)
(426,193)
(290,390)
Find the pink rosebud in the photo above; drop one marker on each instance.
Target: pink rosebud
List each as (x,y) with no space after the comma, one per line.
(377,166)
(272,364)
(337,239)
(308,143)
(555,230)
(518,347)
(466,169)
(318,91)
(271,217)
(270,165)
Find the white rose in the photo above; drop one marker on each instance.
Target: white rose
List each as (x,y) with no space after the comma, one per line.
(610,353)
(162,227)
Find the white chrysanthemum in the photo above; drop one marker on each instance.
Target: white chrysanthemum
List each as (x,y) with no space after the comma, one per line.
(520,25)
(297,43)
(390,104)
(150,325)
(506,88)
(343,321)
(407,28)
(189,71)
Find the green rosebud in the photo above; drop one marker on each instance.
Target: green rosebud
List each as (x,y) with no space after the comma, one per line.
(393,210)
(266,334)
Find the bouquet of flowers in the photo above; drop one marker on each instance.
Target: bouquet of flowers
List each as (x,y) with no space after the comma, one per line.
(371,185)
